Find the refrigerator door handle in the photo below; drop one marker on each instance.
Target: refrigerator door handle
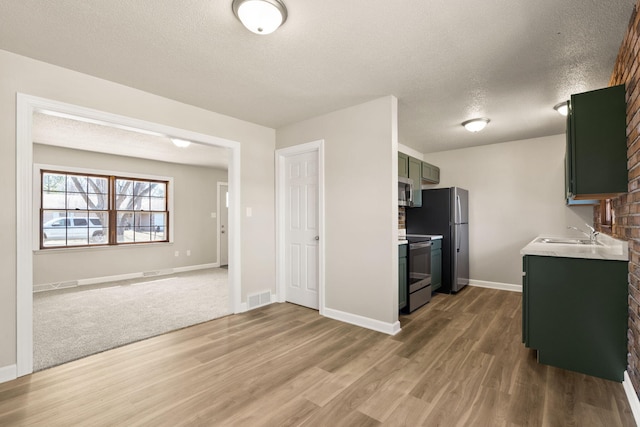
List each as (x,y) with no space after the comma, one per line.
(459,206)
(458,238)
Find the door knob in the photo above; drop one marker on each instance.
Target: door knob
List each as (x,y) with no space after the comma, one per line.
(317,238)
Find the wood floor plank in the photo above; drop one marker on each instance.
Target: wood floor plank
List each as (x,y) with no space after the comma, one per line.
(457,361)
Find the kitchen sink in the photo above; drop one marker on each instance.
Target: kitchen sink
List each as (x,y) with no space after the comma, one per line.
(566,241)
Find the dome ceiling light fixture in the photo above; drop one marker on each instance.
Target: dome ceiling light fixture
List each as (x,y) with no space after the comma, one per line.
(182,143)
(562,108)
(475,125)
(260,16)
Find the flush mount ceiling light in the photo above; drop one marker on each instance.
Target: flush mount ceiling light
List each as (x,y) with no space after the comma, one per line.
(260,16)
(475,125)
(562,108)
(180,142)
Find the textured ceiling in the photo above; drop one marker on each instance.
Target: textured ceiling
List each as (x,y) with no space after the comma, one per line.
(65,132)
(445,60)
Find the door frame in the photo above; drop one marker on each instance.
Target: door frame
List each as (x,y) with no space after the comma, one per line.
(26,105)
(218,186)
(280,158)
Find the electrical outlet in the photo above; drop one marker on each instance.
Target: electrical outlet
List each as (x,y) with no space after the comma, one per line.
(213,214)
(177,253)
(188,252)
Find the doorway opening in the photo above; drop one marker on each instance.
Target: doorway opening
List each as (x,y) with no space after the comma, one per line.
(28,231)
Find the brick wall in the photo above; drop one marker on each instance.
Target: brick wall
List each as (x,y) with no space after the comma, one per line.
(626,208)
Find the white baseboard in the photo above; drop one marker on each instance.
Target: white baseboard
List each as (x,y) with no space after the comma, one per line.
(495,285)
(632,397)
(196,267)
(364,322)
(8,373)
(118,277)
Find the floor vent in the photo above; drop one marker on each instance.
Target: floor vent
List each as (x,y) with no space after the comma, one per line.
(257,300)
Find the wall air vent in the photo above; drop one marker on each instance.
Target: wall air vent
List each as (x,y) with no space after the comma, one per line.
(257,300)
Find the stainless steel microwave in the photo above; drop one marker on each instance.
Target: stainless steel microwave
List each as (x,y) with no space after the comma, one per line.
(405,191)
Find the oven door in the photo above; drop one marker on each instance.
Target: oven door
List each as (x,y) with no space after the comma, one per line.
(419,265)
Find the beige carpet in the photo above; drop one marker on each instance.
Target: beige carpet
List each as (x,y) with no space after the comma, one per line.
(72,323)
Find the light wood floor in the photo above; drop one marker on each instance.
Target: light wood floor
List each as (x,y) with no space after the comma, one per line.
(457,361)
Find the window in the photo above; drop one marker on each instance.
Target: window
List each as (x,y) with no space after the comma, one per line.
(88,210)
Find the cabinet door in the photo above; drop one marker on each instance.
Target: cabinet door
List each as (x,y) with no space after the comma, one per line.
(403,165)
(436,269)
(415,173)
(430,173)
(576,314)
(402,282)
(597,143)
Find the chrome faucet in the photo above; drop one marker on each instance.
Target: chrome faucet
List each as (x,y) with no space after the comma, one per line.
(593,235)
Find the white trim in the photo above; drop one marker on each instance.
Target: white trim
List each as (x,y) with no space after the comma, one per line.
(364,322)
(8,373)
(632,397)
(218,185)
(117,277)
(280,156)
(495,285)
(26,105)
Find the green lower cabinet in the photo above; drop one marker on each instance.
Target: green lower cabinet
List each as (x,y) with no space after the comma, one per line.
(402,276)
(436,265)
(574,313)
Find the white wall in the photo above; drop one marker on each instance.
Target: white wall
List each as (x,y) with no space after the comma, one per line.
(21,74)
(360,199)
(516,192)
(195,198)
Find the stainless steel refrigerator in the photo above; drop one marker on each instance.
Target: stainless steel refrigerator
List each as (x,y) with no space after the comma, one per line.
(445,211)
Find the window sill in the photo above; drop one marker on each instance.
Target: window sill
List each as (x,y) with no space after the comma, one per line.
(99,248)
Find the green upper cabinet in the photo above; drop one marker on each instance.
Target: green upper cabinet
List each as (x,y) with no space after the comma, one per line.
(596,162)
(403,165)
(430,173)
(415,173)
(419,172)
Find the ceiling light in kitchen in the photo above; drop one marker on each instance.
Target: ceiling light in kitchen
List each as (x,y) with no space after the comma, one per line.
(562,108)
(180,142)
(260,16)
(475,125)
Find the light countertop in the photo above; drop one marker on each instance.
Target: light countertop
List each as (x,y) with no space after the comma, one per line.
(611,249)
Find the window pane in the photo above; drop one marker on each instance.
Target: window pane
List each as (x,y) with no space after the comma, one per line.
(141,203)
(53,182)
(124,203)
(98,201)
(53,200)
(98,228)
(158,234)
(54,228)
(141,188)
(76,201)
(143,234)
(158,189)
(76,184)
(124,186)
(158,204)
(98,185)
(125,227)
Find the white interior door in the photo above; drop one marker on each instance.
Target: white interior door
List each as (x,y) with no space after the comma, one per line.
(223,230)
(301,229)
